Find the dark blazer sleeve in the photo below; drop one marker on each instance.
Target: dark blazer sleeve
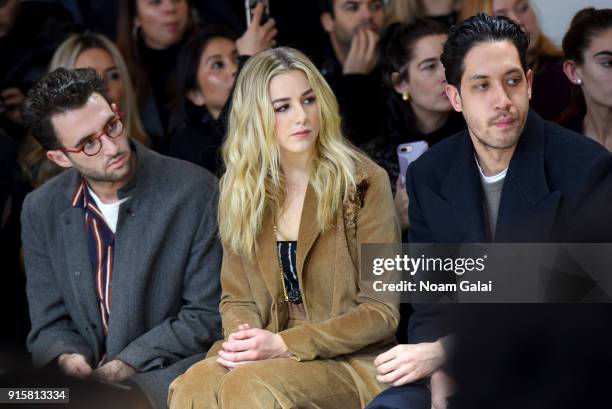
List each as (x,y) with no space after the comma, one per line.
(196,326)
(53,331)
(587,218)
(419,231)
(426,323)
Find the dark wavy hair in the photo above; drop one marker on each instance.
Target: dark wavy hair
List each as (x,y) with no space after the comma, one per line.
(59,91)
(585,25)
(187,65)
(397,46)
(480,28)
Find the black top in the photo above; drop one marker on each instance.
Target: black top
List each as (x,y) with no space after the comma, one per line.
(401,128)
(287,252)
(200,142)
(197,136)
(573,119)
(448,20)
(360,97)
(155,106)
(551,90)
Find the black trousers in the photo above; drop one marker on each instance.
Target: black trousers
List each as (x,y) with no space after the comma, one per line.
(410,396)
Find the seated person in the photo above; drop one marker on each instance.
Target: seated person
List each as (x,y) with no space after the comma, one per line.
(206,71)
(350,64)
(588,52)
(418,108)
(149,35)
(120,250)
(296,203)
(511,177)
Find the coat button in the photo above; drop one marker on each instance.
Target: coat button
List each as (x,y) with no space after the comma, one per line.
(77,273)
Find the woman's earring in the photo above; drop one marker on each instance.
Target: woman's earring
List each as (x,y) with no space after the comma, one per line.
(135,32)
(406,96)
(578,81)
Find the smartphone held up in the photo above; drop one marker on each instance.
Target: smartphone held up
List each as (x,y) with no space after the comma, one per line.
(250,5)
(408,153)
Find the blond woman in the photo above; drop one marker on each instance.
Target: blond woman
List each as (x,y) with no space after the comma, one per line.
(296,202)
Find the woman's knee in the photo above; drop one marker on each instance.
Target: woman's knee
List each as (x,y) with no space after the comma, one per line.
(197,384)
(243,384)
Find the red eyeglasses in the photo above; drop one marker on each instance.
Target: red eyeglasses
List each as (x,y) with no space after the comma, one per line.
(93,145)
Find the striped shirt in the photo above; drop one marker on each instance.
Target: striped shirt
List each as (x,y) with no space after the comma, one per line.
(101,244)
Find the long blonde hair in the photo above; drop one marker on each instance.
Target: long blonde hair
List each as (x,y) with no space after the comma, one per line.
(253,181)
(543,45)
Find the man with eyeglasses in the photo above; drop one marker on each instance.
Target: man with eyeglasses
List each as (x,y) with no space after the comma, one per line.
(121,255)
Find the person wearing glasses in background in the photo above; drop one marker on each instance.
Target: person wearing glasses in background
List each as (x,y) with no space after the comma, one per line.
(122,261)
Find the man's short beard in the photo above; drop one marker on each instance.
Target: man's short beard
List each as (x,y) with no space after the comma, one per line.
(98,176)
(345,38)
(482,137)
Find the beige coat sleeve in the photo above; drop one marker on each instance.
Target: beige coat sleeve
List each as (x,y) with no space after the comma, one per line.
(237,306)
(372,320)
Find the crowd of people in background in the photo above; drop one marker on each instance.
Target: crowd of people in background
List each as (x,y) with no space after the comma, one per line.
(170,68)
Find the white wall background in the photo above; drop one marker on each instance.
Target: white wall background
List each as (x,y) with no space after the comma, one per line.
(556,15)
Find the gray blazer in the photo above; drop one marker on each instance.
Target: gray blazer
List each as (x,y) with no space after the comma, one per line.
(165,285)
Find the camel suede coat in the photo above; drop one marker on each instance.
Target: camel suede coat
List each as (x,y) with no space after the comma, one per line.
(345,320)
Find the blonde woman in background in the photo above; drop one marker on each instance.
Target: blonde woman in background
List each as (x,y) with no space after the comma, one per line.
(406,11)
(296,202)
(402,11)
(95,51)
(551,92)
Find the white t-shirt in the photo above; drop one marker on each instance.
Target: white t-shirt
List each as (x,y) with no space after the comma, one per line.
(109,211)
(490,179)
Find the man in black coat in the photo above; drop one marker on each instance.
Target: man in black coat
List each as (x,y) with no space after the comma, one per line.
(511,177)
